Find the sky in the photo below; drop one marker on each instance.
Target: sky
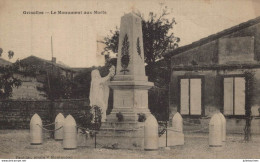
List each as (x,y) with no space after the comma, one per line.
(75,36)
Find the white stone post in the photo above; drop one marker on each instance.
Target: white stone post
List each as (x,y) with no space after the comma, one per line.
(177,122)
(70,133)
(223,121)
(215,131)
(36,130)
(59,120)
(151,137)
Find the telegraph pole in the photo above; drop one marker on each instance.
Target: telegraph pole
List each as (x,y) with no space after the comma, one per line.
(52,111)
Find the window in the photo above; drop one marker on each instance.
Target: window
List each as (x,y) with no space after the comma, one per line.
(234,96)
(190,96)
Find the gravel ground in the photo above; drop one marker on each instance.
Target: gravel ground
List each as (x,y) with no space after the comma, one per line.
(16,144)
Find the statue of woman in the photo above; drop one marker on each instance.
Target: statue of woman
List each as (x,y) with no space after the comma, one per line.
(99,90)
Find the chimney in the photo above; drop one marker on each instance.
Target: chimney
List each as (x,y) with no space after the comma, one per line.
(53,59)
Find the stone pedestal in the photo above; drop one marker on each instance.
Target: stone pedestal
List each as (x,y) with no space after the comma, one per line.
(130,98)
(130,87)
(126,135)
(215,131)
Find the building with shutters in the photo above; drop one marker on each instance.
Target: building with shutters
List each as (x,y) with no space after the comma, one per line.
(219,73)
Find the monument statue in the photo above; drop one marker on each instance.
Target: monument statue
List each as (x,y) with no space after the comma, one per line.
(99,90)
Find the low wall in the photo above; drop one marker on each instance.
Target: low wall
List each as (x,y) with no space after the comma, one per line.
(233,125)
(16,114)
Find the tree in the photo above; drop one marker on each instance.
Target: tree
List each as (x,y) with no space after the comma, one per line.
(8,81)
(1,51)
(10,54)
(157,39)
(56,86)
(83,80)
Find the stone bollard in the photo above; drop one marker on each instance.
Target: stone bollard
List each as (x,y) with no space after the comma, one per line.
(151,137)
(176,136)
(215,131)
(36,130)
(69,133)
(177,122)
(59,120)
(223,121)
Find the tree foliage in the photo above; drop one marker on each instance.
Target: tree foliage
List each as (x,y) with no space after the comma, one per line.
(8,80)
(10,54)
(111,43)
(1,51)
(57,87)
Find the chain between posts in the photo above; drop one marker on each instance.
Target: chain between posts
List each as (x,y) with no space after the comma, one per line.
(190,123)
(49,129)
(170,129)
(196,130)
(50,124)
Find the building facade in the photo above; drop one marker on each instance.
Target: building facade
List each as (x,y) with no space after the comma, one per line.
(28,89)
(219,73)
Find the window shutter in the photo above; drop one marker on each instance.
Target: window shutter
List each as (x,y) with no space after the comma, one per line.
(195,96)
(228,96)
(184,96)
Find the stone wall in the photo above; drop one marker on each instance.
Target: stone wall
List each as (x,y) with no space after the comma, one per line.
(15,114)
(202,55)
(234,126)
(252,31)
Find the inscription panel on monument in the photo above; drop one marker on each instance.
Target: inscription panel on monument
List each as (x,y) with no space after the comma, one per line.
(123,98)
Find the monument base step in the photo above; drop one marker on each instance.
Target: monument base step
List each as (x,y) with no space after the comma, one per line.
(123,135)
(112,142)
